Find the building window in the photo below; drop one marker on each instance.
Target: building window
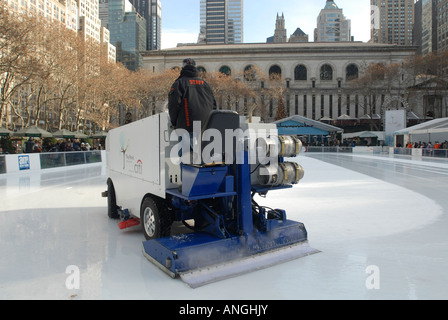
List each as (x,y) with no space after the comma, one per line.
(322,106)
(374,104)
(225,70)
(305,106)
(331,106)
(275,72)
(351,72)
(300,73)
(339,105)
(249,73)
(326,72)
(313,107)
(201,71)
(347,110)
(296,104)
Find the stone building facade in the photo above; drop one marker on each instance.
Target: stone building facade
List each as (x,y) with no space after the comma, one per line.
(317,76)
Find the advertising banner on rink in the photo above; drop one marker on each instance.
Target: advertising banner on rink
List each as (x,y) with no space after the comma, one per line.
(394,120)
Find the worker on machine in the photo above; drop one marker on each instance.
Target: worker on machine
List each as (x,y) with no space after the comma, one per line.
(190,98)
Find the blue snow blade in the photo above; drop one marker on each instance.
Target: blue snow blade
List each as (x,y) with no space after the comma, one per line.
(188,255)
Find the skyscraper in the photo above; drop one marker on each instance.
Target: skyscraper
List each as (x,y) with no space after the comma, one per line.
(235,21)
(392,21)
(442,25)
(332,25)
(127,32)
(429,26)
(89,21)
(280,30)
(221,21)
(151,10)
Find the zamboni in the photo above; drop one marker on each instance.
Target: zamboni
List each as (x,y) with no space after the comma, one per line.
(158,175)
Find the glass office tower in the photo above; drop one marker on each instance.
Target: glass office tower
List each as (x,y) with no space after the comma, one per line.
(151,10)
(127,32)
(221,21)
(332,25)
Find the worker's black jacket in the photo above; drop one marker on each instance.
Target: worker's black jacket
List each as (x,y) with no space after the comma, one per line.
(190,99)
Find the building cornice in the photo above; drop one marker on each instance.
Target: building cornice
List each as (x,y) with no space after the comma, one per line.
(280,48)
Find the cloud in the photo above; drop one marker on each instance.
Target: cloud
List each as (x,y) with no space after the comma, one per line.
(170,38)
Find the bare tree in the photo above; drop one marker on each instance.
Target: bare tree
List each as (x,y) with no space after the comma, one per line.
(19,61)
(429,76)
(376,80)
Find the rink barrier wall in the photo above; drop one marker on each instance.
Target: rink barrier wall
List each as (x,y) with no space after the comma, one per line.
(23,162)
(415,152)
(29,162)
(339,149)
(421,152)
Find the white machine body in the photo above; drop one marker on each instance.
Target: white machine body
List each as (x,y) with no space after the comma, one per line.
(133,166)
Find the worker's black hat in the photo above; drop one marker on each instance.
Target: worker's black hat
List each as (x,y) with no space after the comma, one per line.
(188,62)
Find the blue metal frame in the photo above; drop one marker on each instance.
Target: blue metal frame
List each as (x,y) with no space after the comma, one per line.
(244,197)
(178,194)
(255,233)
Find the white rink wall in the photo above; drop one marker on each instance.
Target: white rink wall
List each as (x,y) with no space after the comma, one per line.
(33,162)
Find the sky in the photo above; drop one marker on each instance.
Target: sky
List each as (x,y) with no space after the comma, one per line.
(180,19)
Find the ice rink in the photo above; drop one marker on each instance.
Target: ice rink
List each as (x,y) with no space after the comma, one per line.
(380,223)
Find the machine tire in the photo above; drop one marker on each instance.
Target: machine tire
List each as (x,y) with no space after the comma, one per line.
(112,209)
(155,223)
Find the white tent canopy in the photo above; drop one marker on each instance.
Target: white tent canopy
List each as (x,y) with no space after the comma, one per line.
(429,131)
(432,126)
(365,134)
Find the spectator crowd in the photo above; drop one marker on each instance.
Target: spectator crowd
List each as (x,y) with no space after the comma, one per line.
(62,145)
(428,145)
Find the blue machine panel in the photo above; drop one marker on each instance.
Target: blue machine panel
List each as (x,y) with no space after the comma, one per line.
(202,180)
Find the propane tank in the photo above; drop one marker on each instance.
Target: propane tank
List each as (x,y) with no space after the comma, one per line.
(276,175)
(289,146)
(286,146)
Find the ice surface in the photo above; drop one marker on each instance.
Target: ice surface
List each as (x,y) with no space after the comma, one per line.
(359,211)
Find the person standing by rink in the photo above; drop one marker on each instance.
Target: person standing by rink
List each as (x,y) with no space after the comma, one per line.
(29,145)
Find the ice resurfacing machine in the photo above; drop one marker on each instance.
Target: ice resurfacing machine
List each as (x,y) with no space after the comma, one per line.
(210,190)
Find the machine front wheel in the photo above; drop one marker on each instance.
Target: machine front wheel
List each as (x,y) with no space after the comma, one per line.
(151,219)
